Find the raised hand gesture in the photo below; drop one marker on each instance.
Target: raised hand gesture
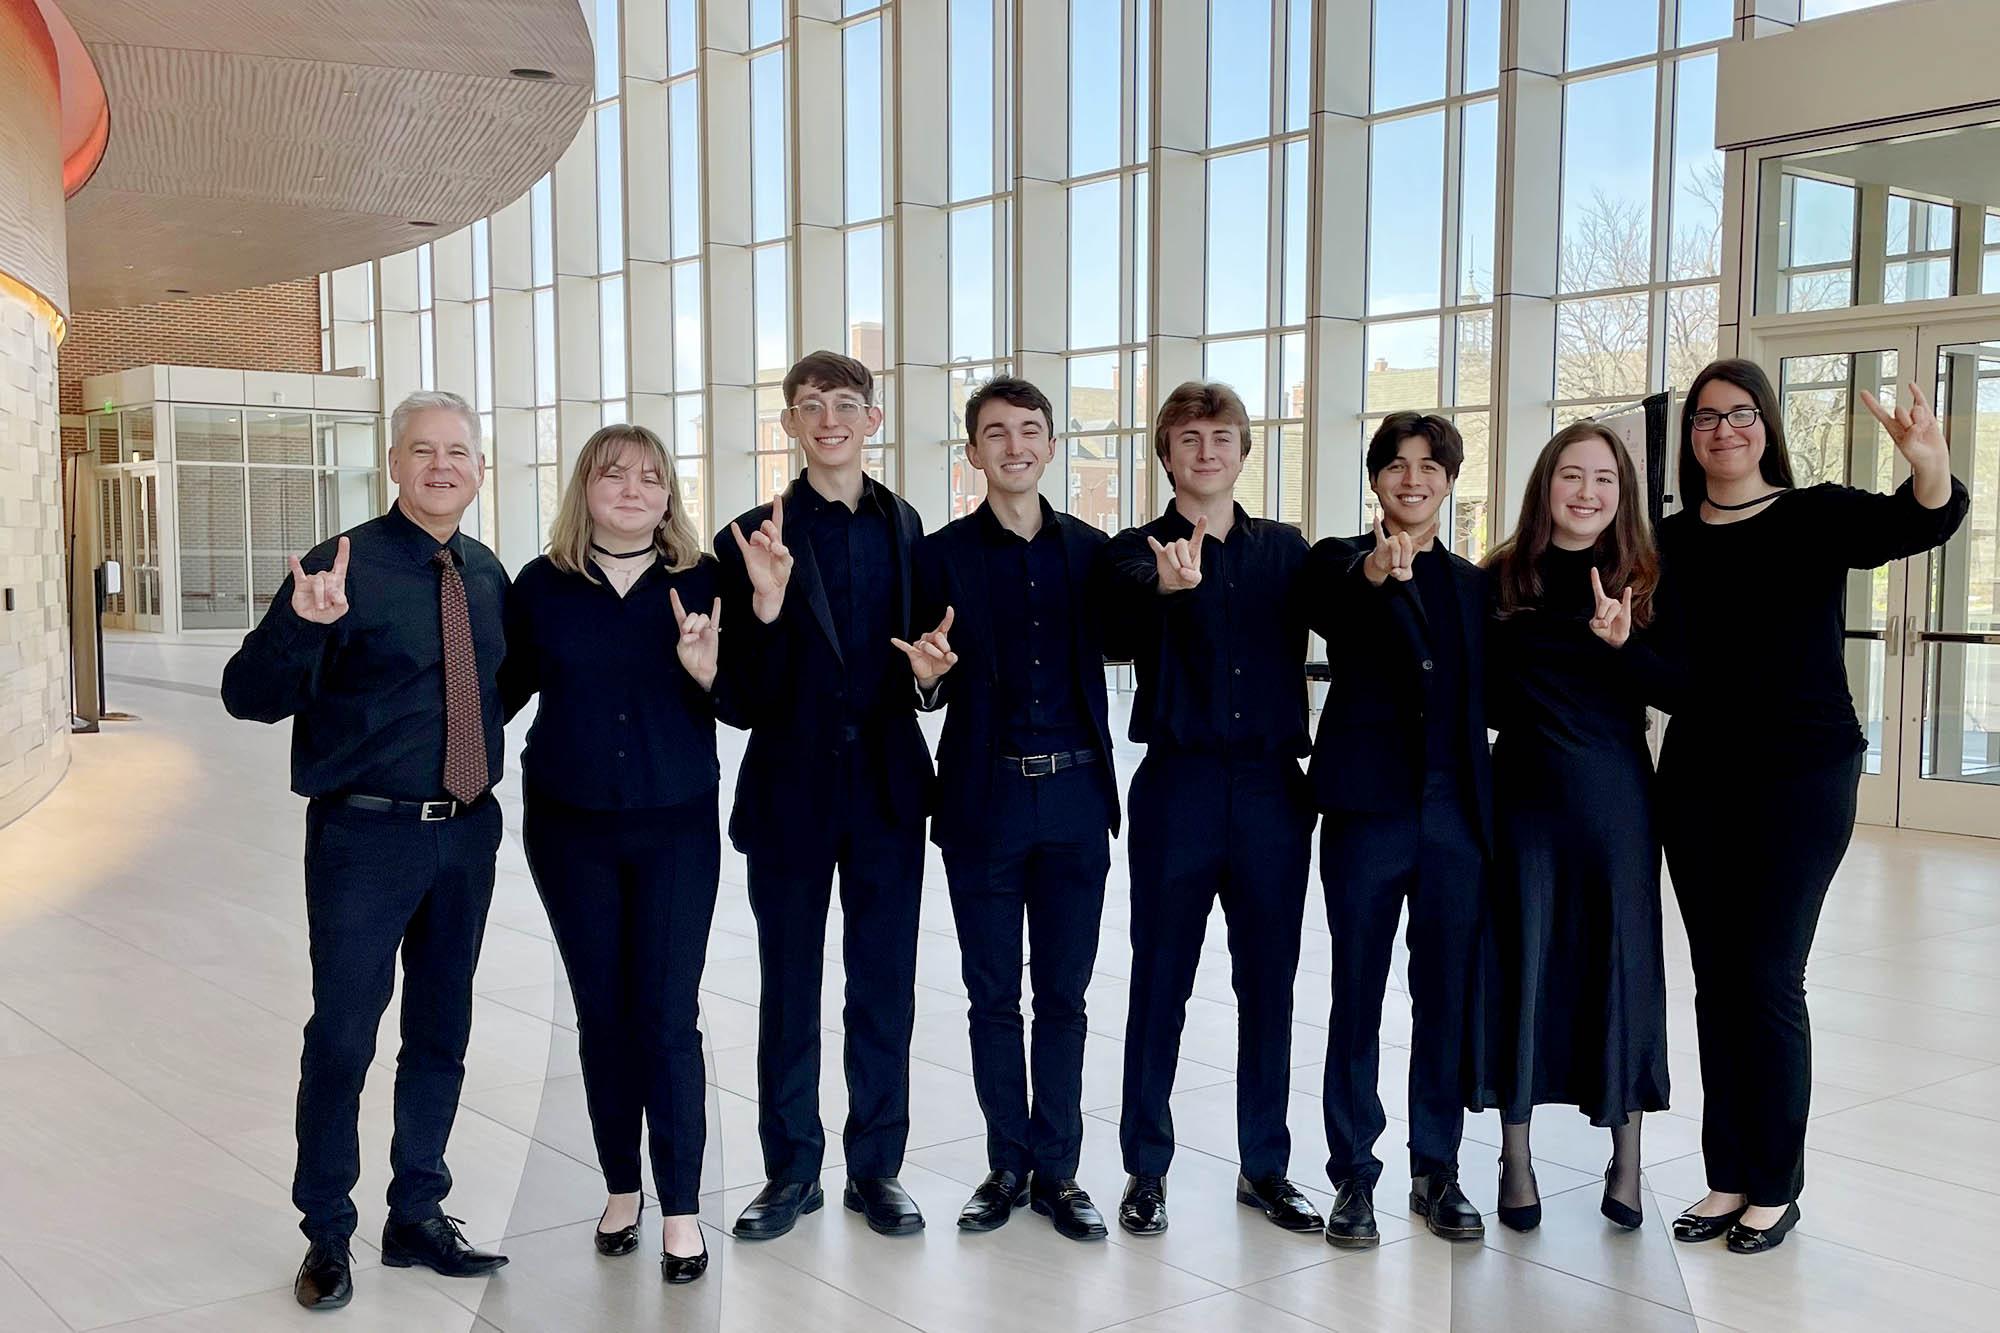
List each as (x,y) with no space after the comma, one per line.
(1179,562)
(767,560)
(1393,553)
(931,655)
(699,644)
(321,598)
(1916,431)
(1612,620)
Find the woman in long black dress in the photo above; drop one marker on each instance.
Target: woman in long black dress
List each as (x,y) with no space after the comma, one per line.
(1760,766)
(1580,1017)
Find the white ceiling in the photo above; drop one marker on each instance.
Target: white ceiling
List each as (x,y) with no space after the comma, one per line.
(258,140)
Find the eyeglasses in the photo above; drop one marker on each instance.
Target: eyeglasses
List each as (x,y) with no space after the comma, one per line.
(813,411)
(1741,418)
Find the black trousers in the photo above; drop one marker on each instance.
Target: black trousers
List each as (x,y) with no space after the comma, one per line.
(881,867)
(1751,876)
(630,895)
(375,884)
(1203,828)
(1369,864)
(1047,852)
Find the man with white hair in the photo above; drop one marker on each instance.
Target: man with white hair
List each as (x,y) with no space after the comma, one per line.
(383,646)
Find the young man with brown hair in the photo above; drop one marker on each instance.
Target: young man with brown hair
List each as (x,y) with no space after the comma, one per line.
(1219,809)
(836,777)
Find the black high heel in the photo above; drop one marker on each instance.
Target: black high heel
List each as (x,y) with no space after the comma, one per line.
(1522,1217)
(622,1241)
(1756,1240)
(679,1269)
(1614,1210)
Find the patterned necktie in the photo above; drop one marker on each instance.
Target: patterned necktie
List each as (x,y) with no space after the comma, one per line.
(465,775)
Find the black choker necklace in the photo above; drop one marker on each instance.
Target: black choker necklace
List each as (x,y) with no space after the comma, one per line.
(621,555)
(1747,504)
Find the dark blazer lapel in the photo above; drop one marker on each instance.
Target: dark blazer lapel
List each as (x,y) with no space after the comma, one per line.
(805,568)
(1406,608)
(909,531)
(1471,599)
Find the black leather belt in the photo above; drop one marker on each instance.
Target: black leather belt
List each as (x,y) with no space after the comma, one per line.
(1041,765)
(428,811)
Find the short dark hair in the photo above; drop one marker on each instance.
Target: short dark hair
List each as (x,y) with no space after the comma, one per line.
(1008,389)
(1776,463)
(1447,448)
(826,371)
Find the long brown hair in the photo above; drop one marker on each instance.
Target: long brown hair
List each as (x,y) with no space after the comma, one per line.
(1775,465)
(1624,555)
(569,538)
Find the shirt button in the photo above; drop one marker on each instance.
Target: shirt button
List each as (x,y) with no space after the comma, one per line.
(621,754)
(1236,671)
(1237,716)
(621,717)
(1427,664)
(1038,661)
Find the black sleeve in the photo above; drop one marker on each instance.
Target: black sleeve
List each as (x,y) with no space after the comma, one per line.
(1333,586)
(520,676)
(1127,586)
(752,659)
(1865,529)
(929,595)
(276,673)
(697,587)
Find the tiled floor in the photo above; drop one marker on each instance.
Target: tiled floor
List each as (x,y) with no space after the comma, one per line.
(153,980)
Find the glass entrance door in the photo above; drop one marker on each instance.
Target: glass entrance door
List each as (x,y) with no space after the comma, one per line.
(142,575)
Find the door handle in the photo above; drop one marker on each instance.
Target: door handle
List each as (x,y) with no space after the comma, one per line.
(1890,642)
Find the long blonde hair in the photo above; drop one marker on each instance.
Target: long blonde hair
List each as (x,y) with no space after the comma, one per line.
(569,540)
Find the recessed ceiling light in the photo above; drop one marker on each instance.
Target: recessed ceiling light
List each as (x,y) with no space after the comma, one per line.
(530,72)
(177,291)
(415,223)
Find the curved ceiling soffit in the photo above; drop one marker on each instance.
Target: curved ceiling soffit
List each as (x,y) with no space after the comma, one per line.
(86,113)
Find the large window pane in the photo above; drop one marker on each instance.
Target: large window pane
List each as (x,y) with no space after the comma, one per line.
(281,437)
(604,37)
(1239,70)
(1478,198)
(1482,44)
(1093,394)
(1239,363)
(767,146)
(1298,63)
(1705,20)
(283,523)
(1601,347)
(1094,61)
(971,77)
(773,332)
(1238,241)
(1475,360)
(1402,366)
(610,191)
(1405,213)
(861,48)
(864,297)
(1297,199)
(348,441)
(611,336)
(1691,320)
(1697,204)
(1601,31)
(687,327)
(1142,249)
(684,167)
(1409,52)
(212,542)
(1607,188)
(680,36)
(541,239)
(1093,481)
(545,346)
(971,291)
(208,434)
(1093,264)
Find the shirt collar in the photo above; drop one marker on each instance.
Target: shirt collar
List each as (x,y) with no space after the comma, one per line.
(421,546)
(811,502)
(1176,525)
(993,530)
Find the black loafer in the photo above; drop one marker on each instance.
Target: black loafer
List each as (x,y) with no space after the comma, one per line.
(886,1204)
(1756,1240)
(622,1241)
(777,1207)
(326,1278)
(1351,1224)
(1280,1200)
(1693,1228)
(436,1243)
(1442,1204)
(679,1269)
(1519,1217)
(993,1202)
(1066,1205)
(1143,1210)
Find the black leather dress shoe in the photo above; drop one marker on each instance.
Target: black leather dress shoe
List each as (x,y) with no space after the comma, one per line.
(993,1202)
(1143,1210)
(679,1269)
(1756,1240)
(777,1207)
(1442,1204)
(1280,1200)
(622,1241)
(1064,1203)
(325,1280)
(886,1204)
(1351,1224)
(437,1244)
(1693,1228)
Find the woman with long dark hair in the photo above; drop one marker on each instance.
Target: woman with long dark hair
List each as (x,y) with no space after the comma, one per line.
(1762,760)
(1579,1013)
(616,628)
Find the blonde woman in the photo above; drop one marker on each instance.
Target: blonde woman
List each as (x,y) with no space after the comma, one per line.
(615,628)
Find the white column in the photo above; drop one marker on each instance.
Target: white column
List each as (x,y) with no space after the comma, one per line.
(728,341)
(1336,265)
(917,270)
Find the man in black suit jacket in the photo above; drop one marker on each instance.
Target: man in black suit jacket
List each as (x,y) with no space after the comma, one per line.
(1027,795)
(1400,771)
(836,776)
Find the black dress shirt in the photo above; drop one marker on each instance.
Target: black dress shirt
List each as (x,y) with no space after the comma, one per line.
(1221,666)
(367,691)
(855,549)
(1033,626)
(1444,725)
(621,725)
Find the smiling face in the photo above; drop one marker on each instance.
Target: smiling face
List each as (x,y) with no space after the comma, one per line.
(1205,456)
(628,498)
(1583,494)
(436,469)
(832,425)
(1727,453)
(1012,447)
(1412,485)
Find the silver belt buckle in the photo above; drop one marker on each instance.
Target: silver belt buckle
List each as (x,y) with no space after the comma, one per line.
(430,812)
(1038,765)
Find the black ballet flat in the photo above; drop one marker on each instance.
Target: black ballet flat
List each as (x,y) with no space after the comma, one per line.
(1628,1219)
(678,1270)
(1522,1217)
(1693,1229)
(1756,1240)
(624,1240)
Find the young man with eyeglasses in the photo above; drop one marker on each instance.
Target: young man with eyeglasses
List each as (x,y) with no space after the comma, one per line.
(836,777)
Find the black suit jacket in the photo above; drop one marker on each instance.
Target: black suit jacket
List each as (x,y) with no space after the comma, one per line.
(1369,754)
(784,692)
(952,571)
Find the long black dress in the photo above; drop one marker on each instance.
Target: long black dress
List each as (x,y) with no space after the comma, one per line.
(1580,1017)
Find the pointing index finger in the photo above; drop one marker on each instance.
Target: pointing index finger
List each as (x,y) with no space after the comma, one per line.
(944,625)
(680,612)
(340,559)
